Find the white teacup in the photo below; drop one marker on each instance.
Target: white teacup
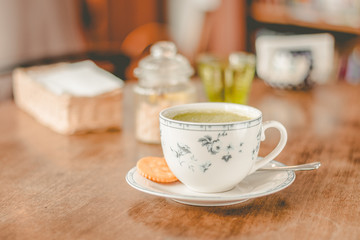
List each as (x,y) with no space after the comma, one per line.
(215,157)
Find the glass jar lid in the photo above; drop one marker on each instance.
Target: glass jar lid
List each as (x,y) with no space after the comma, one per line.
(163,66)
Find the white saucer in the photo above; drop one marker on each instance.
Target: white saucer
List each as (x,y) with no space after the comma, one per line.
(258,184)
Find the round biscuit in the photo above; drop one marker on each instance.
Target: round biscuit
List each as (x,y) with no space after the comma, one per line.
(155,169)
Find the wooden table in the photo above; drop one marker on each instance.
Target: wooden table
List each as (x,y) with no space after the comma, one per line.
(73,187)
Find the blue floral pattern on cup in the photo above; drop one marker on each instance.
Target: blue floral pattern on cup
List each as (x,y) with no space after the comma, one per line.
(255,151)
(213,145)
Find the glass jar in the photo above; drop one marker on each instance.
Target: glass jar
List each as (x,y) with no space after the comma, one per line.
(163,81)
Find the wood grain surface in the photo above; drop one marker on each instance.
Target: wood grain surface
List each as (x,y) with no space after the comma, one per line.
(73,187)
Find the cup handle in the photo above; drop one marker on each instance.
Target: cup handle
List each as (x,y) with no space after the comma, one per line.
(283,139)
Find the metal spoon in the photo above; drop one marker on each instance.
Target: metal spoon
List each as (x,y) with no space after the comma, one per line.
(301,167)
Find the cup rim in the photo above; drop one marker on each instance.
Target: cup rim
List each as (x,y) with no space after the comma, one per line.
(177,108)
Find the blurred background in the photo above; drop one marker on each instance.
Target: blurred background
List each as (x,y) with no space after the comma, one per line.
(116,34)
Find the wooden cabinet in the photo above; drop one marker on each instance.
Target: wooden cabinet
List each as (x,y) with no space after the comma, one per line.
(284,14)
(288,17)
(339,18)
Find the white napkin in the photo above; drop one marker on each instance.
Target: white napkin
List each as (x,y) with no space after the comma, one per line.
(82,79)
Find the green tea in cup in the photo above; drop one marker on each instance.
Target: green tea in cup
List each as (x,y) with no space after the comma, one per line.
(210,116)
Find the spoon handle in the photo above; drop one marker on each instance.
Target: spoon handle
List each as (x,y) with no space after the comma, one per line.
(301,167)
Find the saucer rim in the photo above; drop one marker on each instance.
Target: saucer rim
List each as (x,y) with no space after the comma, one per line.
(213,198)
